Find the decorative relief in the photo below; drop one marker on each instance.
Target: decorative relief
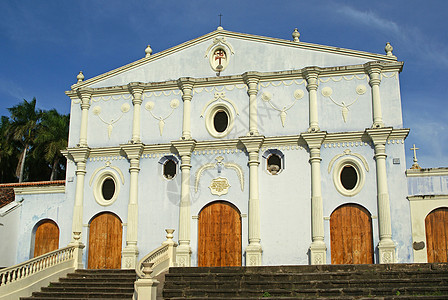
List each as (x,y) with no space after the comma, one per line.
(107,165)
(318,259)
(348,152)
(125,107)
(150,106)
(219,165)
(220,89)
(267,97)
(346,78)
(219,96)
(219,186)
(112,97)
(327,92)
(219,54)
(387,257)
(282,82)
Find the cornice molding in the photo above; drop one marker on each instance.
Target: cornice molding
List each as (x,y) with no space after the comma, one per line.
(427,172)
(230,34)
(427,197)
(30,190)
(133,151)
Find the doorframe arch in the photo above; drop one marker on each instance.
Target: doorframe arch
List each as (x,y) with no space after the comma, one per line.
(33,233)
(426,229)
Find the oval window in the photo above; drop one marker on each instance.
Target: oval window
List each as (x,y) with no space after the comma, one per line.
(349,177)
(169,169)
(221,121)
(274,164)
(108,188)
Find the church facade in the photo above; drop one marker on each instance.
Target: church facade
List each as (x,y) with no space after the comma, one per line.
(256,150)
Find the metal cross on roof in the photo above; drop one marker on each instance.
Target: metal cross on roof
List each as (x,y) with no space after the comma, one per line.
(220,15)
(415,153)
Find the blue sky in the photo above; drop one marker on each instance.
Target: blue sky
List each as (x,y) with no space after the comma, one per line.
(44,44)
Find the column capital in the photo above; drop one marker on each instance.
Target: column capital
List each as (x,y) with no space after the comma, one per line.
(252,143)
(251,77)
(184,147)
(311,72)
(136,89)
(379,135)
(314,139)
(185,83)
(84,93)
(132,151)
(79,154)
(373,67)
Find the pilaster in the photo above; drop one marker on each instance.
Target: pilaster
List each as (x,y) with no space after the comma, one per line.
(386,246)
(311,75)
(84,94)
(318,248)
(136,89)
(374,71)
(254,249)
(183,255)
(251,79)
(130,252)
(186,86)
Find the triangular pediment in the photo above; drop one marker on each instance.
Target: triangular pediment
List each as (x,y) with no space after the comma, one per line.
(245,52)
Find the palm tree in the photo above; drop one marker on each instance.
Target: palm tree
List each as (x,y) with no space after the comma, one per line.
(7,150)
(25,123)
(51,138)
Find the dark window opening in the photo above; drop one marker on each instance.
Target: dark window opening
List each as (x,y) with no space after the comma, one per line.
(349,177)
(169,169)
(221,121)
(108,188)
(274,164)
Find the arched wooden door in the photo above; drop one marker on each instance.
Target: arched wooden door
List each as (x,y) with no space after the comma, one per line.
(105,236)
(46,238)
(219,236)
(436,224)
(351,235)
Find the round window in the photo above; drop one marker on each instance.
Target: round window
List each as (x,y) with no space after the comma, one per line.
(348,177)
(219,120)
(108,188)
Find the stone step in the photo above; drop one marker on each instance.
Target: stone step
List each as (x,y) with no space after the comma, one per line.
(91,289)
(82,295)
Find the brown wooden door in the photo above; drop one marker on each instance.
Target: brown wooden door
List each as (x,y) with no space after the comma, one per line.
(436,224)
(351,235)
(46,238)
(105,236)
(219,236)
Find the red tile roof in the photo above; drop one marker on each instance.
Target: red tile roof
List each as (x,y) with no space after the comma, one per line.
(7,189)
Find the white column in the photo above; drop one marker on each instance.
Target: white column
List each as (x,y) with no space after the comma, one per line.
(183,255)
(252,79)
(130,252)
(84,94)
(79,156)
(311,75)
(186,85)
(136,90)
(254,249)
(374,71)
(317,248)
(386,247)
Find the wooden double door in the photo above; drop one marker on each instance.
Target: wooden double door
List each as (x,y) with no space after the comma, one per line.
(351,235)
(219,235)
(105,236)
(46,238)
(436,225)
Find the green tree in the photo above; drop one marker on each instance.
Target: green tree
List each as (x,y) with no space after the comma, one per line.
(24,126)
(51,138)
(8,151)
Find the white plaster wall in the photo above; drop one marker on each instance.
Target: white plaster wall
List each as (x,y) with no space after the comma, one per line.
(9,231)
(285,210)
(75,123)
(391,100)
(249,56)
(428,185)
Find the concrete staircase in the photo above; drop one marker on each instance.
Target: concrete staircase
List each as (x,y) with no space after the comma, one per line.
(90,284)
(395,281)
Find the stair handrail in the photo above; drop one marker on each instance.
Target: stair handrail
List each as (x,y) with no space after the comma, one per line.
(34,265)
(161,258)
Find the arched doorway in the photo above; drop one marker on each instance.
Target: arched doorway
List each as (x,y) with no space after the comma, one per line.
(351,235)
(436,224)
(46,237)
(105,234)
(219,235)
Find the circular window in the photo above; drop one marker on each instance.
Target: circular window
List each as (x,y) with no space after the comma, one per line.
(106,188)
(219,120)
(348,177)
(169,169)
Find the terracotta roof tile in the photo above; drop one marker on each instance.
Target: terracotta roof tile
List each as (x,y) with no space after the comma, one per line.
(7,189)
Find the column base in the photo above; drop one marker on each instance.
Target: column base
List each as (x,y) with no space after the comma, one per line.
(183,256)
(253,255)
(313,128)
(386,251)
(129,257)
(318,253)
(146,288)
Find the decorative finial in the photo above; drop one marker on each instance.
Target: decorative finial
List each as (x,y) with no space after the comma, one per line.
(219,27)
(295,35)
(148,51)
(415,164)
(388,49)
(80,77)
